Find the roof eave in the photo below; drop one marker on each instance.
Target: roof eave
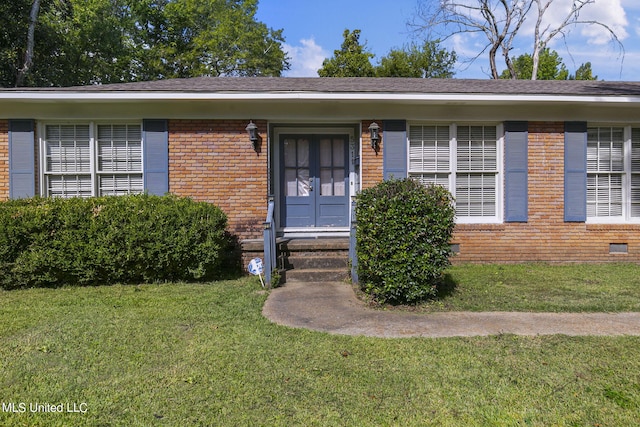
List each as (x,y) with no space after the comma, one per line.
(136,96)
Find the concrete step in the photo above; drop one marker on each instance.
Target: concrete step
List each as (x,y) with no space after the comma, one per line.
(316,261)
(316,275)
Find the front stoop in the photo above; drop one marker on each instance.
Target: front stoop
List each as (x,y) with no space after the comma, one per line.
(314,260)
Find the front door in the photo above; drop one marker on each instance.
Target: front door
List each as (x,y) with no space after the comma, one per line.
(315,180)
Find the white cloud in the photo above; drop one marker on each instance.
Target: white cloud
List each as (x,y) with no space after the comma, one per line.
(609,13)
(306,58)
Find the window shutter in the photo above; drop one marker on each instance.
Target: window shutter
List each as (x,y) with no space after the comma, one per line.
(22,179)
(394,144)
(575,171)
(516,171)
(156,156)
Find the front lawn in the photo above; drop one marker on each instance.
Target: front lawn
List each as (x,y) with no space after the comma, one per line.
(202,354)
(539,287)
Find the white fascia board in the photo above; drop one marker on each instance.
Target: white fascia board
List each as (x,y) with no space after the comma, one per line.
(310,96)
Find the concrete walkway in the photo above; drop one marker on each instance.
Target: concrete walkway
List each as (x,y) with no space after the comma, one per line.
(333,307)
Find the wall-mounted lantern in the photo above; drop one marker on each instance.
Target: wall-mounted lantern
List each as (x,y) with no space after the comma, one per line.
(252,130)
(374,129)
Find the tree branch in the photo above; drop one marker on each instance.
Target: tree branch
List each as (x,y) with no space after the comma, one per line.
(28,55)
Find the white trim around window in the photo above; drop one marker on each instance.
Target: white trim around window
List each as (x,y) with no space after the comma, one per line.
(465,158)
(85,159)
(613,173)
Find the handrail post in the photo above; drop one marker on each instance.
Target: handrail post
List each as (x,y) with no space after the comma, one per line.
(353,256)
(269,236)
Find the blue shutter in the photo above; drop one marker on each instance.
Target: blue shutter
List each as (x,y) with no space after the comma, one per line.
(575,171)
(156,156)
(394,143)
(22,177)
(516,171)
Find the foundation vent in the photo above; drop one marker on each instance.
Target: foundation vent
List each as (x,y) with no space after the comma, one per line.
(618,248)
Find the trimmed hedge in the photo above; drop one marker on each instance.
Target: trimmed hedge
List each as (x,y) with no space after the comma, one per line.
(126,239)
(403,236)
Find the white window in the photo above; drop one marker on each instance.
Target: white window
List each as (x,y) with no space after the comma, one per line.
(613,173)
(84,160)
(465,159)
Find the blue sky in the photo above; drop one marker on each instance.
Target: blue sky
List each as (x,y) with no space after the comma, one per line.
(313,30)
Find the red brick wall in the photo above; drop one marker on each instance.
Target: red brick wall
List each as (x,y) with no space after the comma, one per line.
(4,160)
(546,236)
(371,162)
(213,161)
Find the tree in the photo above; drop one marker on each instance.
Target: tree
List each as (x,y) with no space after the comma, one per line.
(500,21)
(77,42)
(426,61)
(584,72)
(550,67)
(64,42)
(352,60)
(542,36)
(28,55)
(186,38)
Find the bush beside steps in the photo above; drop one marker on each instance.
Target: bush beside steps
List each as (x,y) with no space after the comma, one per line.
(403,236)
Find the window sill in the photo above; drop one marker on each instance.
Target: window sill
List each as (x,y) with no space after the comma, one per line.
(614,226)
(479,227)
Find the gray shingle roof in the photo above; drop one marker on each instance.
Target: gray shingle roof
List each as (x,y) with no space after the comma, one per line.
(363,85)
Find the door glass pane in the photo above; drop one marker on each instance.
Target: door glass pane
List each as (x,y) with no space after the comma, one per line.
(290,153)
(303,182)
(332,167)
(338,152)
(303,153)
(325,153)
(339,183)
(296,167)
(326,182)
(291,183)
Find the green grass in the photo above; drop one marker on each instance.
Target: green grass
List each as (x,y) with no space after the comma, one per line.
(540,287)
(203,355)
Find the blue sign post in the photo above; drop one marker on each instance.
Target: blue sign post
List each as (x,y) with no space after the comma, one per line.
(256,268)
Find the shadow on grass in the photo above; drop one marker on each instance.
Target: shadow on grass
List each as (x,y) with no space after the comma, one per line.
(231,258)
(446,288)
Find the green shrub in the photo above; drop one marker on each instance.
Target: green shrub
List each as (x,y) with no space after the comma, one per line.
(129,239)
(403,238)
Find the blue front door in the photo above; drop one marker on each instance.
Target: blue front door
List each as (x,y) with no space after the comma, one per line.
(315,180)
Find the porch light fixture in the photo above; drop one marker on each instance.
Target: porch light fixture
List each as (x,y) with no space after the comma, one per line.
(374,129)
(252,130)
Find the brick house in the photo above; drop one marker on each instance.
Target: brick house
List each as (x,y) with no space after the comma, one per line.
(541,170)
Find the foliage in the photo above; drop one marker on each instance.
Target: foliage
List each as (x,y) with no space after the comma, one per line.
(352,60)
(214,38)
(584,72)
(402,239)
(80,42)
(550,67)
(128,239)
(426,61)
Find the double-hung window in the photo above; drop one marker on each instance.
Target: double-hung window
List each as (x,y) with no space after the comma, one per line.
(465,159)
(613,173)
(84,160)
